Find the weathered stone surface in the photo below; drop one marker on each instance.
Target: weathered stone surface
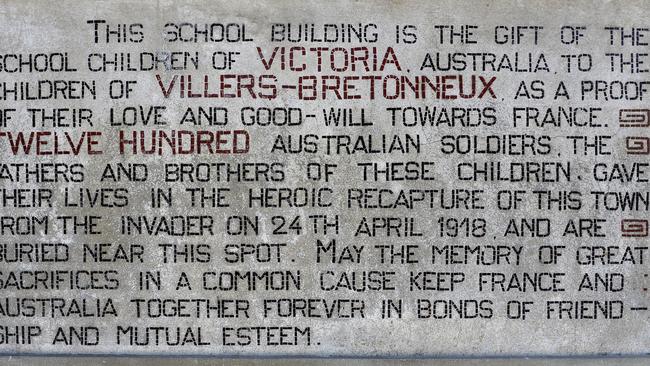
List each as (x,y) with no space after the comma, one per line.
(433,258)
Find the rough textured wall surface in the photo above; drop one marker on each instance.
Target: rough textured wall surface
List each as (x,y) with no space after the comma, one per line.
(301,178)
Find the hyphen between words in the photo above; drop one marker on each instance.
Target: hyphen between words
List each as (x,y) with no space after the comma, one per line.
(320,86)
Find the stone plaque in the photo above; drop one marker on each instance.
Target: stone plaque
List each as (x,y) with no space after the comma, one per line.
(341,178)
